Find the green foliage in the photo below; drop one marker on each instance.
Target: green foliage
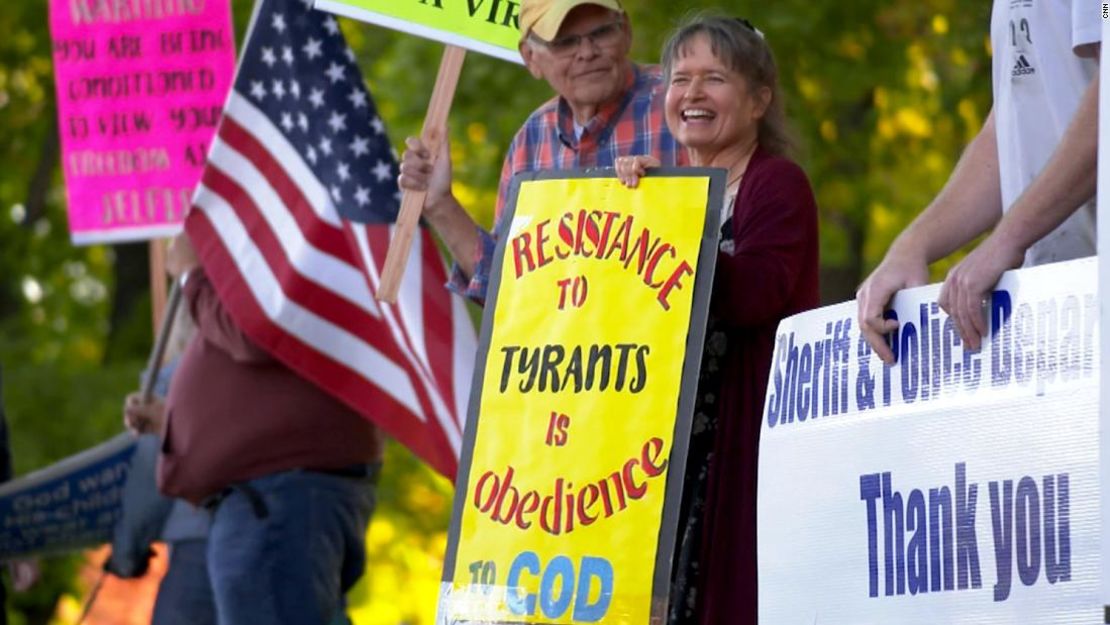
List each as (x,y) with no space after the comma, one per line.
(883,95)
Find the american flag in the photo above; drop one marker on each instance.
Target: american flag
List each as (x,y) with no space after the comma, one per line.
(292,222)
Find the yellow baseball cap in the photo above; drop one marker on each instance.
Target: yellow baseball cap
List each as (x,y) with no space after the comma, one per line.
(544,17)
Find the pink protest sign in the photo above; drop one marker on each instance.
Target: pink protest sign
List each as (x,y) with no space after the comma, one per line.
(141,85)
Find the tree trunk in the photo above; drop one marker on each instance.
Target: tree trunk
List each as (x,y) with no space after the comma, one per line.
(838,283)
(44,171)
(130,304)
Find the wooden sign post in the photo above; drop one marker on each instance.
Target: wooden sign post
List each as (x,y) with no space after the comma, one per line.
(493,30)
(157,283)
(412,202)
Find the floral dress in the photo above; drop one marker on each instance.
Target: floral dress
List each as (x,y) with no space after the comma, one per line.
(700,453)
(767,270)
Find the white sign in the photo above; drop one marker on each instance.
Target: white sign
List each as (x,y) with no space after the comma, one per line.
(952,487)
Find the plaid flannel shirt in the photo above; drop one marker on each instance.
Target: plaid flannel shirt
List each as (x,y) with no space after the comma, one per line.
(629,126)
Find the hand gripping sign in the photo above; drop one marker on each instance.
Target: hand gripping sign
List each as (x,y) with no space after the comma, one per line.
(567,502)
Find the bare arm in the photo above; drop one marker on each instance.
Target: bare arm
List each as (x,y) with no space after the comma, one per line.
(457,229)
(968,205)
(1068,180)
(447,217)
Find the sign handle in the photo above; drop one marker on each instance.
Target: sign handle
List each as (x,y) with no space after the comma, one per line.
(157,283)
(412,202)
(164,314)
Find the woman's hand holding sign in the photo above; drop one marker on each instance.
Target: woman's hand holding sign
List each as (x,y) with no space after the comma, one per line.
(631,168)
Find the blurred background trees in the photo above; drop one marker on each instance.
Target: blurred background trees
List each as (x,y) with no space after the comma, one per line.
(883,95)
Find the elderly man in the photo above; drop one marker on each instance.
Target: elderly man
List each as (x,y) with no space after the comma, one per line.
(606,106)
(1030,172)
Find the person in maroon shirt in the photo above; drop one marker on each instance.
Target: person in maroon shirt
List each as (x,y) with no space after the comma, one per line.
(723,104)
(288,471)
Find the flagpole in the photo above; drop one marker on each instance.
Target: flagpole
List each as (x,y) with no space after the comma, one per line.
(165,308)
(154,365)
(412,202)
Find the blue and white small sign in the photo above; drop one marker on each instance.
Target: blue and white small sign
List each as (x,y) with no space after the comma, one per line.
(73,504)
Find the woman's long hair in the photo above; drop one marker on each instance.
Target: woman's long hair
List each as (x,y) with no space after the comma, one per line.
(742,48)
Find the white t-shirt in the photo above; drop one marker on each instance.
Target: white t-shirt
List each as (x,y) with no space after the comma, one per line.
(1038,83)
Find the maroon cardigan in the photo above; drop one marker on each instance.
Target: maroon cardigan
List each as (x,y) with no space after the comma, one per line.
(771,275)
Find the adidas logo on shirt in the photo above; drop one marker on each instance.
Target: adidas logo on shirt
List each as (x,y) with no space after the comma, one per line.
(1022,67)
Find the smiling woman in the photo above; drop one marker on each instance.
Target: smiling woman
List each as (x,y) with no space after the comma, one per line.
(723,93)
(723,104)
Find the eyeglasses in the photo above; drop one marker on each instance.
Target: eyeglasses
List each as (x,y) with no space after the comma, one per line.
(602,37)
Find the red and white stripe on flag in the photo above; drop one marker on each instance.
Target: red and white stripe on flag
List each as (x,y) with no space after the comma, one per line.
(299,279)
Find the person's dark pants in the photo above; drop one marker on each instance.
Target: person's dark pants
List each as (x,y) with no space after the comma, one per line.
(185,595)
(285,548)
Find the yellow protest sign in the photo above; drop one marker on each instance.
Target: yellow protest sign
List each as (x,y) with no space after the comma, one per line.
(572,470)
(488,26)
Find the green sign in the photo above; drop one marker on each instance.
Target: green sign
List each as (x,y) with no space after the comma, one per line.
(488,26)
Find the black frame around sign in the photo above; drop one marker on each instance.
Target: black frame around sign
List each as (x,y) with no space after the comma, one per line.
(695,342)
